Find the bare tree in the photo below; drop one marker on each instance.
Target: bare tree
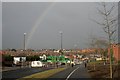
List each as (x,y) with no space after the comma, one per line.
(92,44)
(97,44)
(109,24)
(101,43)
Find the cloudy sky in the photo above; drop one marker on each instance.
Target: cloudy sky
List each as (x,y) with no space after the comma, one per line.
(42,21)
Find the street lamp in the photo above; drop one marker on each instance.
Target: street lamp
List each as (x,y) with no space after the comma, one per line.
(24,41)
(23,50)
(75,48)
(61,38)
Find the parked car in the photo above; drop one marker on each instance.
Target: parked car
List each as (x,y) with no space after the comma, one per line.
(37,64)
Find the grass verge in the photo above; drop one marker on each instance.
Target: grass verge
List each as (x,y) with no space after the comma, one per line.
(96,62)
(42,75)
(102,71)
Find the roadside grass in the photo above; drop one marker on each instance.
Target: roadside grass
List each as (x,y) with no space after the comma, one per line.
(96,62)
(42,75)
(102,71)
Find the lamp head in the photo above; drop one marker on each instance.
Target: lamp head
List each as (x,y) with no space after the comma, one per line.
(24,33)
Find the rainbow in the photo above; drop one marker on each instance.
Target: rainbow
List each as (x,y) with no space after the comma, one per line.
(38,22)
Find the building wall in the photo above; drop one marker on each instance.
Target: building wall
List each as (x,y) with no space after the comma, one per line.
(116,51)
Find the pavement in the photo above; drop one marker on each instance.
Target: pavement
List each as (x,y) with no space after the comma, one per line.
(2,69)
(22,72)
(6,69)
(77,72)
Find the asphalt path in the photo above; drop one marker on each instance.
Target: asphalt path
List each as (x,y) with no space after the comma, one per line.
(19,73)
(77,72)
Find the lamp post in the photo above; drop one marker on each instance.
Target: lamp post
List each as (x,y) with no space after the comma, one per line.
(61,33)
(75,47)
(24,41)
(24,49)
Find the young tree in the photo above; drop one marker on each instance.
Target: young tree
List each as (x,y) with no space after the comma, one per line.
(109,24)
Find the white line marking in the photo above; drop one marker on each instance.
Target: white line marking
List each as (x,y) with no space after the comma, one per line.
(71,73)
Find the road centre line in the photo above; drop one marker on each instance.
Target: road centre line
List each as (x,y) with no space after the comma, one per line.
(71,73)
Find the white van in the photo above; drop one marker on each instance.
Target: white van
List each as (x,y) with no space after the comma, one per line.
(36,64)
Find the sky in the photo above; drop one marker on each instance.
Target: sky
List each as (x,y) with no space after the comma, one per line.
(60,0)
(43,21)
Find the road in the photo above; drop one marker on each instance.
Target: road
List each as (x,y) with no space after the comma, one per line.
(19,73)
(77,72)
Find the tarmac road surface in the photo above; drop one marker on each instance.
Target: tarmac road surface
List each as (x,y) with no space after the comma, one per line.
(77,72)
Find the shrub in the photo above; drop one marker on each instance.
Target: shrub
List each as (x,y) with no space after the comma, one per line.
(7,57)
(119,62)
(32,58)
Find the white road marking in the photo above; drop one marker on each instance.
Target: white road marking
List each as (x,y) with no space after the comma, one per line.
(71,73)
